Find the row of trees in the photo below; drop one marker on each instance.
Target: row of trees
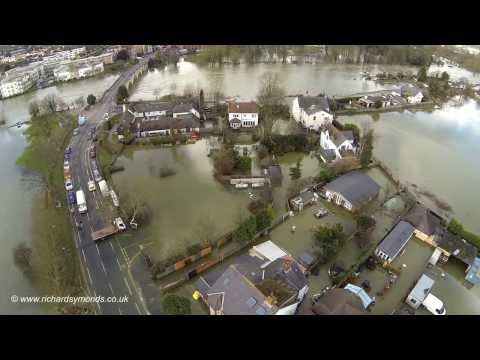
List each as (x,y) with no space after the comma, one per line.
(52,103)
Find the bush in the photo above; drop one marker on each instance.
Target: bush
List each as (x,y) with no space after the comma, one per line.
(325,175)
(246,231)
(455,227)
(243,164)
(91,99)
(328,240)
(281,144)
(263,219)
(176,305)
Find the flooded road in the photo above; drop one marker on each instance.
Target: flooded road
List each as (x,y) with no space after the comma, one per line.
(17,193)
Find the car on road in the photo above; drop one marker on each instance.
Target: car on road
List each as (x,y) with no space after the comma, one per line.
(67,174)
(91,185)
(120,224)
(92,152)
(68,150)
(76,131)
(97,176)
(67,157)
(66,165)
(71,198)
(69,184)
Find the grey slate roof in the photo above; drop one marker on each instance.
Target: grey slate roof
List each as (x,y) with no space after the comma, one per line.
(306,196)
(141,107)
(348,134)
(182,108)
(306,259)
(328,154)
(337,301)
(410,89)
(424,220)
(458,247)
(313,104)
(164,123)
(396,239)
(355,186)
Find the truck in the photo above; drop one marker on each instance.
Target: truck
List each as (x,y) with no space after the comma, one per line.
(116,226)
(104,188)
(81,202)
(434,305)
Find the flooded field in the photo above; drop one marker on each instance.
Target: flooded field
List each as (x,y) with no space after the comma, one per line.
(180,203)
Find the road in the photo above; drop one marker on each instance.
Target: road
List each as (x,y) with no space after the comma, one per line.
(104,262)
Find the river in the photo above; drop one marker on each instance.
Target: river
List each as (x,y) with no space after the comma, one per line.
(436,150)
(17,194)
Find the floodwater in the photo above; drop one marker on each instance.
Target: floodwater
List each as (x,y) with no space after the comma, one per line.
(182,204)
(17,193)
(435,150)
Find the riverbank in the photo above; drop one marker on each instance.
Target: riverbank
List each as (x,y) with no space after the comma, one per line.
(54,265)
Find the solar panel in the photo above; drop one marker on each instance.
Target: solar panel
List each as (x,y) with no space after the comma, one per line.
(251,302)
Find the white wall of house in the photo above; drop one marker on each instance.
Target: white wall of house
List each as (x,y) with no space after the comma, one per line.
(327,143)
(288,310)
(192,111)
(417,99)
(312,121)
(338,199)
(247,119)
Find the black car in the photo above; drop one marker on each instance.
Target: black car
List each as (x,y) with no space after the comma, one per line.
(71,198)
(68,150)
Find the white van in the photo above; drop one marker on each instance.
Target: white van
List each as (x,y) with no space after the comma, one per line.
(434,305)
(82,204)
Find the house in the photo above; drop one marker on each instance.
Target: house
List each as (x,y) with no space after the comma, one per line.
(164,125)
(374,101)
(352,190)
(454,245)
(413,94)
(473,272)
(266,281)
(307,260)
(185,109)
(337,301)
(242,114)
(312,112)
(395,241)
(334,141)
(420,291)
(427,224)
(150,109)
(303,199)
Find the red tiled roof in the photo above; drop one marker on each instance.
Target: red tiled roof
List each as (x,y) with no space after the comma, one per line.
(242,107)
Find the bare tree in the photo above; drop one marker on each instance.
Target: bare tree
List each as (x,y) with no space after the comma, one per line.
(80,102)
(34,108)
(49,103)
(270,96)
(216,88)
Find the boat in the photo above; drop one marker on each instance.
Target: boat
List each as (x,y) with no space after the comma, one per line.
(241,186)
(258,184)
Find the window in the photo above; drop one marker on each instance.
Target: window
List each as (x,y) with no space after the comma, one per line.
(314,118)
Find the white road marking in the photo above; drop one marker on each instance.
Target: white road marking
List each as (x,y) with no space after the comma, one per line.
(138,309)
(120,311)
(118,263)
(128,286)
(111,245)
(79,238)
(84,258)
(103,266)
(111,288)
(89,276)
(98,250)
(88,216)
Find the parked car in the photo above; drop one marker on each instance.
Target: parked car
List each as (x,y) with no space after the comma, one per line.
(67,174)
(91,185)
(92,152)
(69,184)
(68,150)
(66,165)
(67,156)
(76,131)
(71,198)
(97,176)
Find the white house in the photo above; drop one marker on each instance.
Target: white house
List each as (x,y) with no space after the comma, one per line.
(185,109)
(242,114)
(334,141)
(413,94)
(19,80)
(312,112)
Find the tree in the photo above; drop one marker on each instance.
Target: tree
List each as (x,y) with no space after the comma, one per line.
(328,241)
(367,148)
(325,175)
(91,99)
(201,99)
(445,77)
(122,94)
(80,102)
(422,74)
(123,55)
(245,231)
(224,161)
(34,108)
(270,96)
(263,219)
(23,258)
(296,171)
(176,305)
(365,223)
(243,164)
(49,103)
